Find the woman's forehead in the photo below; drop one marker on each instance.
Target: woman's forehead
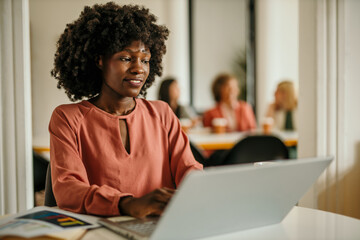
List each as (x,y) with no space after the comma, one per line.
(137,46)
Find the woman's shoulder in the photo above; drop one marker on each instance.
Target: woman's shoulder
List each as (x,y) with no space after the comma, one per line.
(157,110)
(71,113)
(245,107)
(154,107)
(73,108)
(243,103)
(213,110)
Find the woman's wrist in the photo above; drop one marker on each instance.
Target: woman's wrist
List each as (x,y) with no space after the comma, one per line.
(123,203)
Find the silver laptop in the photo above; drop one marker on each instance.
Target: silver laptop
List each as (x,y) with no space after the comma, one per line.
(227,199)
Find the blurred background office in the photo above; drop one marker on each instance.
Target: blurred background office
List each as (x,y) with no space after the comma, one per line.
(313,43)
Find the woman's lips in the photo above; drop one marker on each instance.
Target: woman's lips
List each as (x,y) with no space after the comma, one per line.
(134,82)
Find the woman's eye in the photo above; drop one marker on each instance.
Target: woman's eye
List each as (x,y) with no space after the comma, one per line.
(145,61)
(125,59)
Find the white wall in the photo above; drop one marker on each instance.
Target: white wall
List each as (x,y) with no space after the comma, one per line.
(276,48)
(48,19)
(219,33)
(348,190)
(329,93)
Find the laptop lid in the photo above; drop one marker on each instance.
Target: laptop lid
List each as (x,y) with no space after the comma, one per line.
(231,198)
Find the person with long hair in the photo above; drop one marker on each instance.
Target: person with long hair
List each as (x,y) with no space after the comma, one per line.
(238,114)
(113,152)
(169,92)
(283,109)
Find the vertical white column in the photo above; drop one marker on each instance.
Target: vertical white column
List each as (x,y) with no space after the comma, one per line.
(2,178)
(277,52)
(307,109)
(178,45)
(22,66)
(15,105)
(8,155)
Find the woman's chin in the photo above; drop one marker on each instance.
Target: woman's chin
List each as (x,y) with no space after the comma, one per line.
(133,94)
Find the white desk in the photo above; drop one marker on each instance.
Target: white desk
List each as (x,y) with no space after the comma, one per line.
(304,224)
(300,223)
(206,140)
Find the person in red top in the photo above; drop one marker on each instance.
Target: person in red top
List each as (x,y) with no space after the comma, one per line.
(114,153)
(238,114)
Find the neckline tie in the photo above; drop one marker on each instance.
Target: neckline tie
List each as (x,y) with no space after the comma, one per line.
(288,121)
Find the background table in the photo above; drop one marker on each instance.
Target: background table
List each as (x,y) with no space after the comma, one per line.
(206,140)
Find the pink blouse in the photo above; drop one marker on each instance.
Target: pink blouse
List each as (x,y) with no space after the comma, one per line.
(91,170)
(245,118)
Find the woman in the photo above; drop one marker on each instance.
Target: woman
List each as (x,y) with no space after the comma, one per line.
(114,153)
(238,114)
(169,92)
(283,110)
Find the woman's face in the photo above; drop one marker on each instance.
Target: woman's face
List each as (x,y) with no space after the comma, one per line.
(230,91)
(125,72)
(280,96)
(174,91)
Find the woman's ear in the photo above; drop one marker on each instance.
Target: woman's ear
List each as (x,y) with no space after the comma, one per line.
(99,63)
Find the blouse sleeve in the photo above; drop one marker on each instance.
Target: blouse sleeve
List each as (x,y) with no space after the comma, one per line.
(181,158)
(71,187)
(250,116)
(207,118)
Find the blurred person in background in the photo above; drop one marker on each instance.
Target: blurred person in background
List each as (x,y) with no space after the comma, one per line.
(239,115)
(283,109)
(169,92)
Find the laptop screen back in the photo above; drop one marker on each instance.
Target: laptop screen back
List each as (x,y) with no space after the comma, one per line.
(231,198)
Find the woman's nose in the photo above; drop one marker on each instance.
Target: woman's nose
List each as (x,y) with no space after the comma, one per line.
(137,67)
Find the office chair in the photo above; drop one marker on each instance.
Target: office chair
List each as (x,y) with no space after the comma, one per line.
(197,154)
(257,148)
(217,158)
(214,159)
(40,165)
(49,195)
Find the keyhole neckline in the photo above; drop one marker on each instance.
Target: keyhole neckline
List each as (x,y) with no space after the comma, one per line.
(89,104)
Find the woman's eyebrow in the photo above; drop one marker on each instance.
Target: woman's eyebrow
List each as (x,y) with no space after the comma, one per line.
(141,50)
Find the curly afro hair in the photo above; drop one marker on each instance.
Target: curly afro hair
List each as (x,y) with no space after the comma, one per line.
(102,30)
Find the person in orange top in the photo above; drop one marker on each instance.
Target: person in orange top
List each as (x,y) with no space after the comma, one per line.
(238,114)
(114,153)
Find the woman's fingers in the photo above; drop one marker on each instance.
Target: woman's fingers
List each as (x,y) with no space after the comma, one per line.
(159,199)
(170,190)
(158,208)
(163,195)
(153,203)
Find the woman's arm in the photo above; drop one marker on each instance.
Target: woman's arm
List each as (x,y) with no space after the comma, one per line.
(246,117)
(271,110)
(207,118)
(181,158)
(72,189)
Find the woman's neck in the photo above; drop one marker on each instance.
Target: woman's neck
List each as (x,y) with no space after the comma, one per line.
(230,103)
(117,107)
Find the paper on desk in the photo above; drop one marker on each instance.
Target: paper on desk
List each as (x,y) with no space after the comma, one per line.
(44,221)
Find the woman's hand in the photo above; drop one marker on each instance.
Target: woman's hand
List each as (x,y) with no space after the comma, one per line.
(152,203)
